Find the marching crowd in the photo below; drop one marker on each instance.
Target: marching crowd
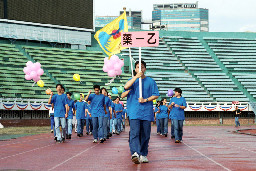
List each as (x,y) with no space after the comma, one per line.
(102,116)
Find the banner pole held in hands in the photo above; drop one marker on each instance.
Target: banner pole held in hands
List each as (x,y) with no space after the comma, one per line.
(140,81)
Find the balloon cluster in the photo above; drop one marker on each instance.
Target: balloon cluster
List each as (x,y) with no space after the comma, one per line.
(113,66)
(33,71)
(117,90)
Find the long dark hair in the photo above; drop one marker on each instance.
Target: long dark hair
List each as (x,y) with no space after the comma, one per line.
(162,101)
(157,104)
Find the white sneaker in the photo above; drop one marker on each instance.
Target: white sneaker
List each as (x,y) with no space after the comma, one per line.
(135,158)
(143,159)
(95,141)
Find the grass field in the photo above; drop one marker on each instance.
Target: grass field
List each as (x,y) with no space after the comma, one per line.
(15,132)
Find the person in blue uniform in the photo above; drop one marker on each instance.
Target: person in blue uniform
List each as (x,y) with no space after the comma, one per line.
(158,130)
(61,108)
(123,118)
(178,104)
(119,111)
(98,111)
(88,118)
(106,120)
(111,118)
(140,112)
(71,105)
(163,112)
(80,107)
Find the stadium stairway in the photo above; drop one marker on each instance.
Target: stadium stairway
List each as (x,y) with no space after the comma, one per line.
(226,71)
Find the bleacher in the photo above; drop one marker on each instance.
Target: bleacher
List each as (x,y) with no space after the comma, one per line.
(156,58)
(12,82)
(208,67)
(63,63)
(221,87)
(191,53)
(235,54)
(172,73)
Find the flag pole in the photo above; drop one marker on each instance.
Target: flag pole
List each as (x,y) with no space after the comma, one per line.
(140,81)
(130,55)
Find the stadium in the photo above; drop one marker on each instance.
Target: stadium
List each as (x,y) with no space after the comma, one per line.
(215,70)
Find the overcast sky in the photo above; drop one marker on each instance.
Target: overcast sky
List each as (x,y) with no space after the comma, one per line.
(224,15)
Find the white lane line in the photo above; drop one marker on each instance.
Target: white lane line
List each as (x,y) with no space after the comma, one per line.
(72,157)
(23,141)
(207,157)
(25,152)
(216,140)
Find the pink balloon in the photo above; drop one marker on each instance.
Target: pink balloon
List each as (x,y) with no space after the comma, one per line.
(121,62)
(36,79)
(29,63)
(38,65)
(121,102)
(105,68)
(110,65)
(111,73)
(33,74)
(27,77)
(114,58)
(105,60)
(33,67)
(40,72)
(117,66)
(27,70)
(119,72)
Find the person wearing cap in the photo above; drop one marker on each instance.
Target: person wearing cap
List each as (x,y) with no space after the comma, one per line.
(178,104)
(140,112)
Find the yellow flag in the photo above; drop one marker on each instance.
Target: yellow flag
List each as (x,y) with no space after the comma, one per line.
(109,37)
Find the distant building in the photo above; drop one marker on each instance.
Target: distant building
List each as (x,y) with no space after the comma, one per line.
(180,17)
(133,19)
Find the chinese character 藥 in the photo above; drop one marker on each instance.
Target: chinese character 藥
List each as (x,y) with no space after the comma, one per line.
(127,39)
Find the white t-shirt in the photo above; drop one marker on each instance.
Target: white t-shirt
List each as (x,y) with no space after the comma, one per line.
(51,111)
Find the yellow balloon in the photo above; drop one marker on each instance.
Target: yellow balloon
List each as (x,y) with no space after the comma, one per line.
(154,101)
(76,77)
(40,83)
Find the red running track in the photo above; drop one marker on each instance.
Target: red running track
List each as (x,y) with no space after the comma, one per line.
(203,148)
